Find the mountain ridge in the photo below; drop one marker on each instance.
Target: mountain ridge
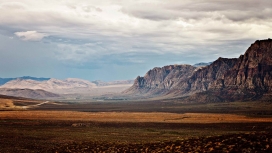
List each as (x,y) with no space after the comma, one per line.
(5,80)
(116,82)
(248,77)
(67,88)
(51,85)
(159,80)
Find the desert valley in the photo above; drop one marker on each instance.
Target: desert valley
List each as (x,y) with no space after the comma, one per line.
(135,76)
(222,106)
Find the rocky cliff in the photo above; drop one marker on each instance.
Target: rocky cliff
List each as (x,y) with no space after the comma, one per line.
(160,80)
(248,77)
(253,70)
(251,76)
(202,79)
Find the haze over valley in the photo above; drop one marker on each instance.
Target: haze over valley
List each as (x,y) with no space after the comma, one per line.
(43,88)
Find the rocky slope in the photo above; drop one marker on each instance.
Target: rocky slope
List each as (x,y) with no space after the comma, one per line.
(251,76)
(28,93)
(160,80)
(202,79)
(248,77)
(253,70)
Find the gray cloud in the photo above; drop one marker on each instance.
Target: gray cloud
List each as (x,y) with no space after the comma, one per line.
(198,9)
(92,37)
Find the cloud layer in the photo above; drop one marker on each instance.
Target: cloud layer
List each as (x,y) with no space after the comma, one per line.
(88,34)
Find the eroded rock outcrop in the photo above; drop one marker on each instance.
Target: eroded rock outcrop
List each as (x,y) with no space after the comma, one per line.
(161,80)
(251,76)
(202,79)
(248,77)
(253,70)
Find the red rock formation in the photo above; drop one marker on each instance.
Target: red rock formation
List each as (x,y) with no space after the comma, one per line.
(247,78)
(203,78)
(253,70)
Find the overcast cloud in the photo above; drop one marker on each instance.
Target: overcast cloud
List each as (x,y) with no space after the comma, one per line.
(113,40)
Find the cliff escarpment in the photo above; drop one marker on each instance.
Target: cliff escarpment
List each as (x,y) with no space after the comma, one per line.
(248,77)
(158,81)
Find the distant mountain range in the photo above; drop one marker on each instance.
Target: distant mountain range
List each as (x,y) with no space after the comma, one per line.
(202,64)
(69,80)
(28,93)
(5,80)
(116,82)
(48,85)
(248,77)
(32,87)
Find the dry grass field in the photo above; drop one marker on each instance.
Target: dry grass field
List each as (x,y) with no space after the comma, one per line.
(155,117)
(149,126)
(6,103)
(15,103)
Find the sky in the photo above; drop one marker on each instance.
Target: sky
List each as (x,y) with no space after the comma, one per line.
(121,39)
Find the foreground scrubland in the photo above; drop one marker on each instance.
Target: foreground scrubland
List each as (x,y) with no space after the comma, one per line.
(43,126)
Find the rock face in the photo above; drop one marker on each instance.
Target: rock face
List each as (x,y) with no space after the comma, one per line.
(202,79)
(160,80)
(248,77)
(254,69)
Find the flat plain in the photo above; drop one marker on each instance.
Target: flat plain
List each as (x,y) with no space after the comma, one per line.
(134,126)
